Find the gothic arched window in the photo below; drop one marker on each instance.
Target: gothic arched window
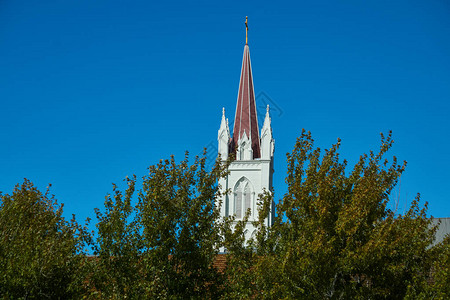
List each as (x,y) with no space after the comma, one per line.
(243,196)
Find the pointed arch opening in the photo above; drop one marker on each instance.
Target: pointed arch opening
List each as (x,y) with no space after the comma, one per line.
(243,197)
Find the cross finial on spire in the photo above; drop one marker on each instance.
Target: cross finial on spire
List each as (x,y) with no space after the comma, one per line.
(246,30)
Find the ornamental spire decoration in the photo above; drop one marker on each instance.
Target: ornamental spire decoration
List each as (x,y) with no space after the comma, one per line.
(246,30)
(246,119)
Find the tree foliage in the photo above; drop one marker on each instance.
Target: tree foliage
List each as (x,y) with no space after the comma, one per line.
(439,287)
(334,235)
(41,254)
(166,244)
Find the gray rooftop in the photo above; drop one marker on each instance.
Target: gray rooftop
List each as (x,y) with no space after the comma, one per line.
(443,229)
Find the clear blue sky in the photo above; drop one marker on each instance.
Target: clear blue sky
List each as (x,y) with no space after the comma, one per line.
(93,91)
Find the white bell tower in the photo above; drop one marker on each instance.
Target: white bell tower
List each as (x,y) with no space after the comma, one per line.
(251,173)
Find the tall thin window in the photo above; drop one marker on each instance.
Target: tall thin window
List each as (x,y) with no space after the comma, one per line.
(248,198)
(238,204)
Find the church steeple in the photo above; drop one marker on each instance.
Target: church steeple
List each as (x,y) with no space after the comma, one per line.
(252,171)
(246,119)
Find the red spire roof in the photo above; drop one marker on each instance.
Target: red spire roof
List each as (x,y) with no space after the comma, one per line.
(246,119)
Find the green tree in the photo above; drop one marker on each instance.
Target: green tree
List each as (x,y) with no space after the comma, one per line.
(164,246)
(117,268)
(439,287)
(334,235)
(41,254)
(239,279)
(438,284)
